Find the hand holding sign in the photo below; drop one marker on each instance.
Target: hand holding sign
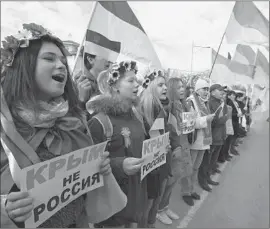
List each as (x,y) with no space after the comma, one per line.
(19,206)
(210,117)
(132,165)
(105,167)
(182,126)
(168,148)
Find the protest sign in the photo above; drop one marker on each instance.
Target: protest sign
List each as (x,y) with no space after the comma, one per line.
(188,118)
(154,153)
(55,183)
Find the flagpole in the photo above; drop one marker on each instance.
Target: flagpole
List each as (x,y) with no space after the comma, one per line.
(191,66)
(81,44)
(220,44)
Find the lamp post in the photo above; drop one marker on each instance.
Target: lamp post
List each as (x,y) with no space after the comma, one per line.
(196,46)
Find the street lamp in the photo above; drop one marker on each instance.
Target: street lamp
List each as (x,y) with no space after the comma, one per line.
(196,46)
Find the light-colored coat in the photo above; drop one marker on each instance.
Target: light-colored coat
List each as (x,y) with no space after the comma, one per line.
(200,123)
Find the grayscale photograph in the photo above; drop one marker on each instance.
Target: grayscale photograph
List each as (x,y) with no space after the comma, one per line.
(134,114)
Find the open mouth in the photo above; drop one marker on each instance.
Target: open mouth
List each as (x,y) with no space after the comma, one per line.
(59,78)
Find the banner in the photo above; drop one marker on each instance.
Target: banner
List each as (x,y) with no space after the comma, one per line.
(55,183)
(154,153)
(112,26)
(189,119)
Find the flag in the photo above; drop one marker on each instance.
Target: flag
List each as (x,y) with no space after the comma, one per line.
(262,62)
(228,72)
(261,75)
(173,122)
(247,25)
(114,29)
(157,126)
(244,54)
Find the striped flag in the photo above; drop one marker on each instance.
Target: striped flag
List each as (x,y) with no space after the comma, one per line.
(114,29)
(157,126)
(261,75)
(18,151)
(244,54)
(173,122)
(262,62)
(227,71)
(247,25)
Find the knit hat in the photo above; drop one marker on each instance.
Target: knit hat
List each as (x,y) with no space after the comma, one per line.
(201,84)
(216,87)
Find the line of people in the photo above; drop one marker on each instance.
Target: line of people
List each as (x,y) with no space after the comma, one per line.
(105,104)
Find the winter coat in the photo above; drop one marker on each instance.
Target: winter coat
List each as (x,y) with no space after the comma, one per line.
(72,138)
(181,160)
(229,125)
(157,176)
(201,124)
(219,121)
(126,141)
(235,118)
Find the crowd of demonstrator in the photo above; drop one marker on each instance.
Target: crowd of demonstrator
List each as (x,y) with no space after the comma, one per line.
(41,93)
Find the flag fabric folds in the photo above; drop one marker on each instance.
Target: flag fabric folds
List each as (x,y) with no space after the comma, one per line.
(228,72)
(261,75)
(114,29)
(247,25)
(244,54)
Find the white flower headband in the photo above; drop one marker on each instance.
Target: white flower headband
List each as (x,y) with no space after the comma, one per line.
(13,43)
(149,78)
(118,70)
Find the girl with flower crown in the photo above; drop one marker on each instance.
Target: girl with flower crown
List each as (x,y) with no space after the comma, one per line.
(41,98)
(153,105)
(125,143)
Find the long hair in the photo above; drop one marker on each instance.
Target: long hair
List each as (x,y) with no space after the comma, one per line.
(172,86)
(150,102)
(19,82)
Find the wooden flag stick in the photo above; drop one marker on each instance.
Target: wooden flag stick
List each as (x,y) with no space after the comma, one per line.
(83,40)
(220,44)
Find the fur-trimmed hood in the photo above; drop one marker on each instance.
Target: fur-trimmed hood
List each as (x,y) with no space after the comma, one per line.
(111,105)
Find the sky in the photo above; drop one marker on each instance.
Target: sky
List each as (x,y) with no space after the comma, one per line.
(171,26)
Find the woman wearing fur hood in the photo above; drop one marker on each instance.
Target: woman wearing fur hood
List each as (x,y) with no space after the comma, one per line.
(125,146)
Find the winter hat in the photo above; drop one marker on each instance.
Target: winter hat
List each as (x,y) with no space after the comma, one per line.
(201,84)
(216,87)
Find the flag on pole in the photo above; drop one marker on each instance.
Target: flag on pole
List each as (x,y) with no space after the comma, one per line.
(227,71)
(244,54)
(262,62)
(114,29)
(261,75)
(247,25)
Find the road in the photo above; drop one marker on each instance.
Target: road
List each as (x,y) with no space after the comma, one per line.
(242,198)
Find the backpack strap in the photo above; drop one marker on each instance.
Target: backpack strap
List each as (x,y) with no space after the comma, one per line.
(106,123)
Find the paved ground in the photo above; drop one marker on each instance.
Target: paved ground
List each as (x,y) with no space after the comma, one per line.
(242,198)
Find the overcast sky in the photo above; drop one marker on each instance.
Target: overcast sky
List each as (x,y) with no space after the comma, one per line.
(171,26)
